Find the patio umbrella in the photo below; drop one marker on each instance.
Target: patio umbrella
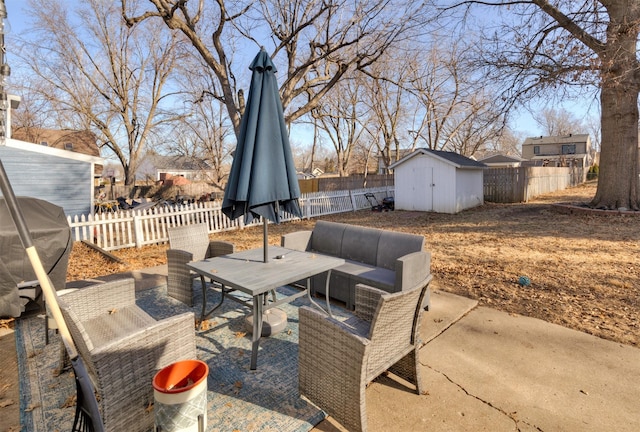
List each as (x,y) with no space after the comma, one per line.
(262,182)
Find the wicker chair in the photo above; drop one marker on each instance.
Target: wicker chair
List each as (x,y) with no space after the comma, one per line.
(189,243)
(123,348)
(338,359)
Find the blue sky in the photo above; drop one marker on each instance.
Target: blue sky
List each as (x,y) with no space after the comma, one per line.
(523,123)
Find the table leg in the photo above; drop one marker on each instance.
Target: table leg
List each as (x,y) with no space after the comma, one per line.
(204,314)
(204,301)
(258,302)
(326,293)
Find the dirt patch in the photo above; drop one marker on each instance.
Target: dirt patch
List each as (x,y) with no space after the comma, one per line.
(583,267)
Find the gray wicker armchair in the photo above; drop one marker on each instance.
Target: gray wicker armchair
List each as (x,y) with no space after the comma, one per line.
(189,243)
(338,359)
(123,348)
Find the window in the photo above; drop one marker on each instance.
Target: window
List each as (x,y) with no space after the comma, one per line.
(568,149)
(536,150)
(68,146)
(44,143)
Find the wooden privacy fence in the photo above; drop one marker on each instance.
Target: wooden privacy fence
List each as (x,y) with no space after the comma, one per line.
(520,184)
(137,228)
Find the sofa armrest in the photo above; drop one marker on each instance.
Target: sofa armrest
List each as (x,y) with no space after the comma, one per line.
(412,269)
(299,240)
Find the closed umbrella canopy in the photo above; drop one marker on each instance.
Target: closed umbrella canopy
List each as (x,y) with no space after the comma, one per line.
(262,181)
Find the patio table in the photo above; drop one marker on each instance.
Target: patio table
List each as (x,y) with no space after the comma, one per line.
(247,272)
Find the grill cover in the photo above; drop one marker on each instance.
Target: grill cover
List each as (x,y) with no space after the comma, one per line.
(51,236)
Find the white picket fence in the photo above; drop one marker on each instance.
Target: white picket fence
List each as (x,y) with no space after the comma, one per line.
(137,228)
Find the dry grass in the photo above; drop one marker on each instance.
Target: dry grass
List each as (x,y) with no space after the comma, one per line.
(584,268)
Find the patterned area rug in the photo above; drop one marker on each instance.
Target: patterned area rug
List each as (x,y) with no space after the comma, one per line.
(238,399)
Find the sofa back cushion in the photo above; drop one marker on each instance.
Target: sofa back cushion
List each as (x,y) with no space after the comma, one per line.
(327,238)
(360,244)
(393,245)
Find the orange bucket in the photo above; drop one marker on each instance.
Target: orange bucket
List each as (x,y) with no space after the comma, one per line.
(180,393)
(180,376)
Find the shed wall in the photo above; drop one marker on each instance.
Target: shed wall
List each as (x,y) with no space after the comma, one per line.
(65,182)
(469,189)
(423,183)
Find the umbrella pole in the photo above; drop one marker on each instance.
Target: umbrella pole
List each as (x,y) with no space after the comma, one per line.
(87,404)
(265,235)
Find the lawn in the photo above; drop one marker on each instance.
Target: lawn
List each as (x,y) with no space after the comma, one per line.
(584,268)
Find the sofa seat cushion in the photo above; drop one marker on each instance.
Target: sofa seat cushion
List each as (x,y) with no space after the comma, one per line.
(121,322)
(367,274)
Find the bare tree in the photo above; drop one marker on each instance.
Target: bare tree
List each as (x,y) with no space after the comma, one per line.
(555,46)
(107,77)
(204,131)
(558,122)
(388,105)
(317,41)
(454,110)
(339,117)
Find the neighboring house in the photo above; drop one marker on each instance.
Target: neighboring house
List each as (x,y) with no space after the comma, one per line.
(567,150)
(438,181)
(158,167)
(79,141)
(62,177)
(501,161)
(317,172)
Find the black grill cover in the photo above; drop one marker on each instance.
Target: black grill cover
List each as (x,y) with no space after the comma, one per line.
(51,236)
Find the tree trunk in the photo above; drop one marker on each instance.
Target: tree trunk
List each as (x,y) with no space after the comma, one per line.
(618,181)
(618,176)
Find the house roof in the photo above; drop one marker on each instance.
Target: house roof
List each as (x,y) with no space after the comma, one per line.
(37,148)
(82,141)
(455,159)
(564,139)
(500,158)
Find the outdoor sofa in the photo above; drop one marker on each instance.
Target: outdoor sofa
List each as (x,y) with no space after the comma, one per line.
(388,260)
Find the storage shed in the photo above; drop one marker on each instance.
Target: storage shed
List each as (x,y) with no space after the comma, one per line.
(62,177)
(438,181)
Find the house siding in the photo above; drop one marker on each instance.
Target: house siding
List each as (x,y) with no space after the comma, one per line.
(65,182)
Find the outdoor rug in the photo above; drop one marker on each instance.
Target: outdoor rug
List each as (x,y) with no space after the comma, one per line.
(239,399)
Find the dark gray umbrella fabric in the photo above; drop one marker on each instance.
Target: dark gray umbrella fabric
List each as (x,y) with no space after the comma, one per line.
(262,181)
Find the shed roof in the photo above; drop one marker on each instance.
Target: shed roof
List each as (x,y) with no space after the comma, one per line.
(455,159)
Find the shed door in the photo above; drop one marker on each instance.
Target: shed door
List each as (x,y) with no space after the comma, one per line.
(423,188)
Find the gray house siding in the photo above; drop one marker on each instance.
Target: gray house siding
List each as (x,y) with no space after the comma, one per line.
(63,181)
